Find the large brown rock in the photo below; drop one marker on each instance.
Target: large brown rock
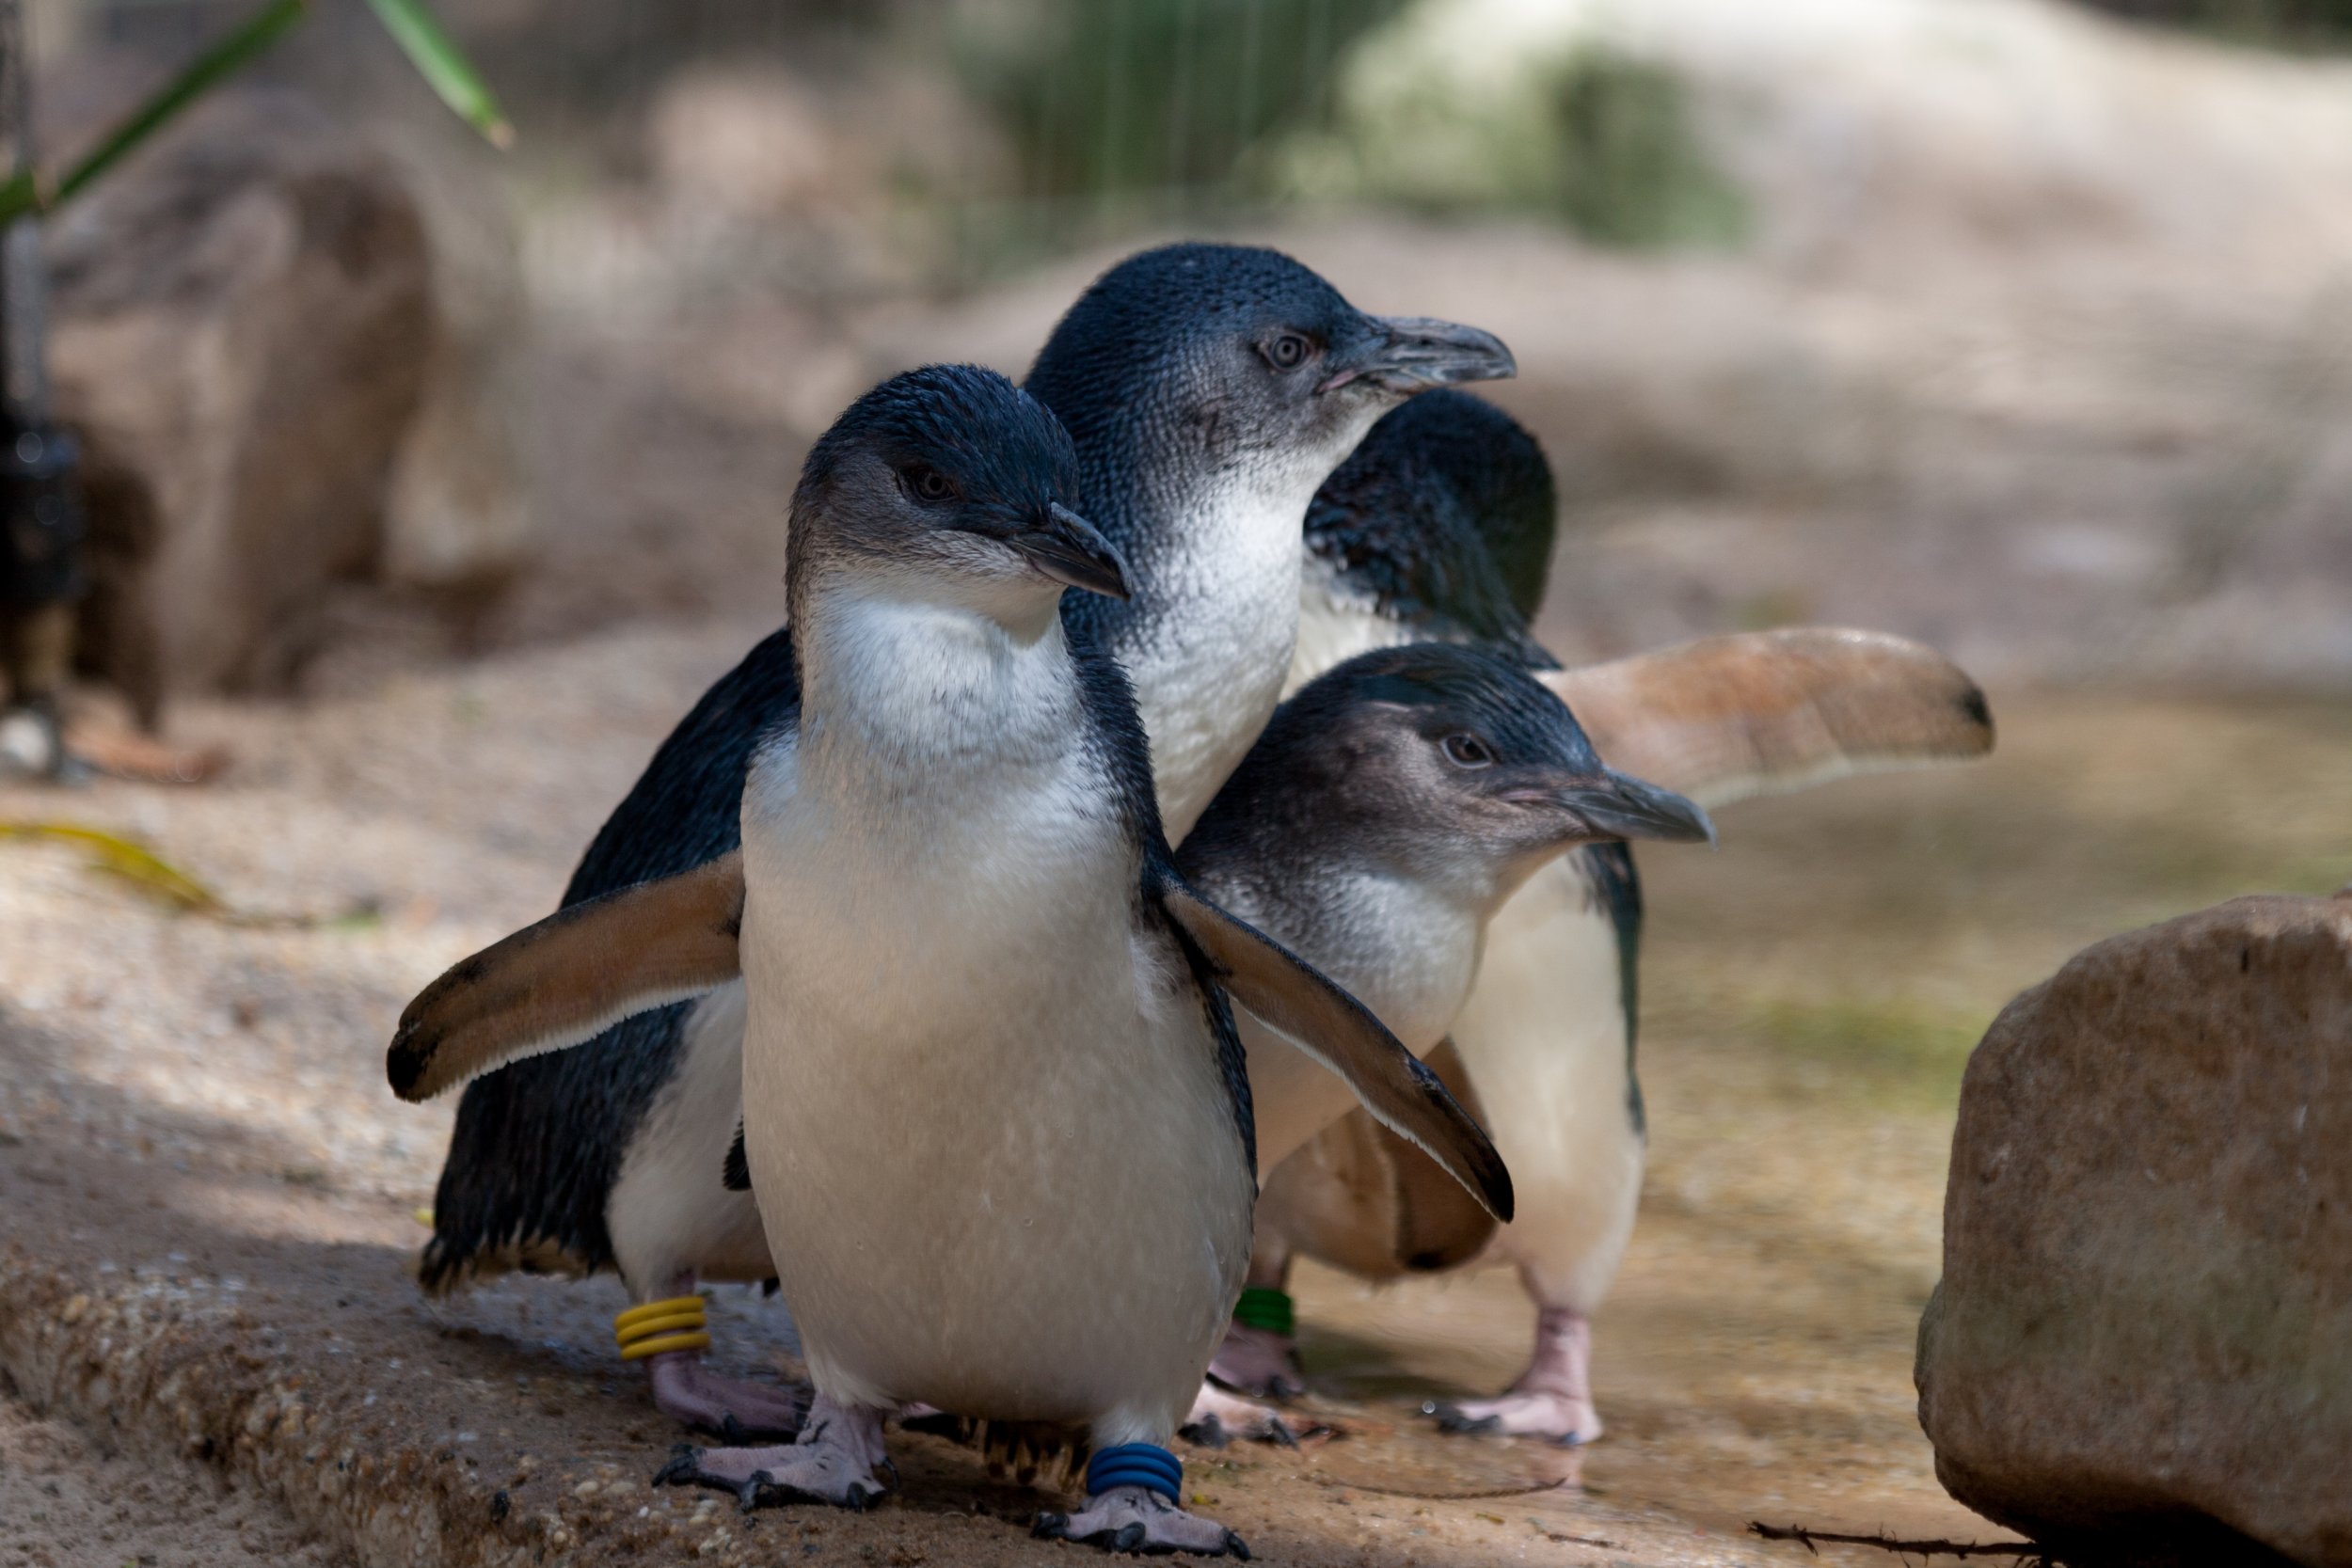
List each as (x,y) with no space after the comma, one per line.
(242,324)
(2141,1348)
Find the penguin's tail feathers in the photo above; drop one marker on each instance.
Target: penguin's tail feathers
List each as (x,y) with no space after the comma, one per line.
(1028,1451)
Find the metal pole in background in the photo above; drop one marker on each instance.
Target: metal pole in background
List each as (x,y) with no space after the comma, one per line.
(41,520)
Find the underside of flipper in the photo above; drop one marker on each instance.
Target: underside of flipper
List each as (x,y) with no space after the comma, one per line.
(1339,1032)
(570,977)
(1727,719)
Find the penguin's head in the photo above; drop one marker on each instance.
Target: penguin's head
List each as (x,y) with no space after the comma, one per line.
(1446,764)
(1231,357)
(1445,514)
(950,482)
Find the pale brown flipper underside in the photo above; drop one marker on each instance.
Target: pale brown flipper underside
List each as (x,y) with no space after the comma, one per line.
(1338,1031)
(571,977)
(1726,719)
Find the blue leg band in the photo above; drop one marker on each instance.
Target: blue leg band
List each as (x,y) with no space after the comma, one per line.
(1144,1465)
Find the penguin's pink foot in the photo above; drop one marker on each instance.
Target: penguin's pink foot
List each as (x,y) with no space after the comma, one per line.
(741,1413)
(1521,1412)
(833,1460)
(1258,1361)
(1135,1520)
(1551,1400)
(1217,1417)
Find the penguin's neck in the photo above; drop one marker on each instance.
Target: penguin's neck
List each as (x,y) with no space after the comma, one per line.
(902,682)
(1209,636)
(1339,618)
(1406,945)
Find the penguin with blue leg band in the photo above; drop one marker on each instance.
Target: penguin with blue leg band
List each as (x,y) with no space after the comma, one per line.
(1211,388)
(993,1100)
(1441,525)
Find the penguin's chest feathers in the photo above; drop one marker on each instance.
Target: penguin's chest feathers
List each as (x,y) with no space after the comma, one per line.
(1337,620)
(967,1047)
(1208,666)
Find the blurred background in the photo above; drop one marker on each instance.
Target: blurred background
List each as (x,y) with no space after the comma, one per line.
(2016,325)
(432,481)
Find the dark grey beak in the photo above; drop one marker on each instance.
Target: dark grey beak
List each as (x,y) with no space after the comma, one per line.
(1066,547)
(1614,805)
(1412,354)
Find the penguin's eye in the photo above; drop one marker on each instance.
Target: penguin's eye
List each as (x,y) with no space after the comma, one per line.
(1287,352)
(927,483)
(1468,751)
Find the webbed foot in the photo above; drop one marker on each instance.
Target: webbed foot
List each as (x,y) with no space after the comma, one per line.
(1529,1413)
(1135,1520)
(1551,1400)
(1218,1417)
(1258,1361)
(833,1460)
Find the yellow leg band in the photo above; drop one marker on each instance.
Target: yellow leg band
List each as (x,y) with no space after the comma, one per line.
(654,1327)
(643,1348)
(658,1326)
(636,1315)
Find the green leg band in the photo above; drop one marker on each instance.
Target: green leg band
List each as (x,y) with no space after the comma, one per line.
(1261,1307)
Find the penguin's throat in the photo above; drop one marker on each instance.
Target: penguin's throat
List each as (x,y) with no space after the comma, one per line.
(1209,641)
(910,680)
(1337,620)
(1406,945)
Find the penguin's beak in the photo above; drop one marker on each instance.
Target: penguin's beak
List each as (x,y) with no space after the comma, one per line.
(1068,548)
(1412,354)
(1614,805)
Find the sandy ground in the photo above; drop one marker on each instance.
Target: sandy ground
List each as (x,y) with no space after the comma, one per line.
(213,1353)
(66,1504)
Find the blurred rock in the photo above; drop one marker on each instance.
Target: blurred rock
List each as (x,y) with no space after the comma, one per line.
(2141,1349)
(458,517)
(840,179)
(243,323)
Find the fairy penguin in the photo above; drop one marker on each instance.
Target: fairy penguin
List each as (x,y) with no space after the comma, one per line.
(1441,525)
(1210,390)
(1386,813)
(993,1097)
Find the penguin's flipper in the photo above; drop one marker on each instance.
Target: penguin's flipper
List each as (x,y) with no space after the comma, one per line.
(1341,1033)
(571,977)
(1726,718)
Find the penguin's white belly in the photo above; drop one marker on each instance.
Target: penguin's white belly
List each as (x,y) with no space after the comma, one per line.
(670,1210)
(1543,1036)
(999,1169)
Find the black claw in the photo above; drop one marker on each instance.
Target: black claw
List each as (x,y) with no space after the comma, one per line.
(890,1465)
(1277,1432)
(732,1430)
(1451,1418)
(747,1495)
(1051,1526)
(1208,1433)
(684,1469)
(1237,1546)
(1128,1539)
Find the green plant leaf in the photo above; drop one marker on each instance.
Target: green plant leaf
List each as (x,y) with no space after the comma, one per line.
(131,861)
(444,67)
(25,193)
